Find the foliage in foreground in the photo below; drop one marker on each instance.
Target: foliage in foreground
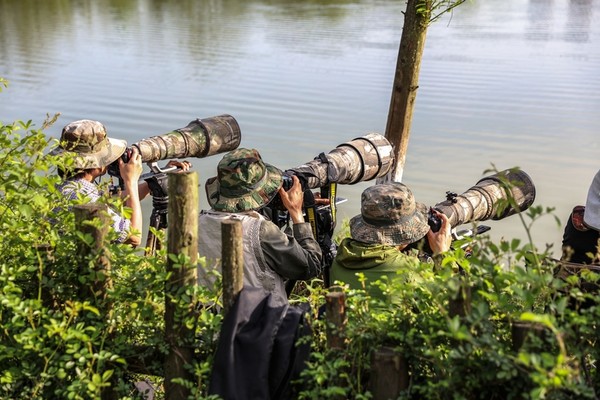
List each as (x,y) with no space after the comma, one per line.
(524,334)
(56,343)
(56,339)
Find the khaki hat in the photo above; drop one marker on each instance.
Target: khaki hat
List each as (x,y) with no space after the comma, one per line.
(389,215)
(87,143)
(591,217)
(243,182)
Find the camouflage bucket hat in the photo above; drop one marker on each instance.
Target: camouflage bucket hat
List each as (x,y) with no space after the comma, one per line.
(87,143)
(389,215)
(243,182)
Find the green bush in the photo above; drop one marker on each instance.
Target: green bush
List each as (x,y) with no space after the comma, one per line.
(518,332)
(54,341)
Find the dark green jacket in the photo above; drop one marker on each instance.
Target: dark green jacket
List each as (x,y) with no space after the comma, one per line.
(373,260)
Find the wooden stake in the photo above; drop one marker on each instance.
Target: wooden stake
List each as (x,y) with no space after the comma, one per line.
(335,314)
(232,261)
(182,239)
(389,374)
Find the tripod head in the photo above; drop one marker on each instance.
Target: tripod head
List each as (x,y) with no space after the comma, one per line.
(157,181)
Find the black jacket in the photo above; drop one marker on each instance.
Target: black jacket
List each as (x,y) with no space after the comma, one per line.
(258,354)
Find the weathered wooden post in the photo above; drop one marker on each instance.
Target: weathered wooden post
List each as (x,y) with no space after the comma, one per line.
(335,314)
(389,373)
(521,331)
(46,259)
(182,239)
(93,219)
(461,304)
(232,261)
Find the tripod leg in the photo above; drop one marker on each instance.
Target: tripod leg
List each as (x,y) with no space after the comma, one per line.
(152,243)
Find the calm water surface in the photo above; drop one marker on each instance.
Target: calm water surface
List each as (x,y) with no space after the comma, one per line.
(503,83)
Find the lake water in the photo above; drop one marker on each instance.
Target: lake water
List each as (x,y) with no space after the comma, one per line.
(503,83)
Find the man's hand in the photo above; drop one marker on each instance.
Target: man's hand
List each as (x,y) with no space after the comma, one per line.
(320,201)
(182,165)
(132,170)
(293,200)
(441,240)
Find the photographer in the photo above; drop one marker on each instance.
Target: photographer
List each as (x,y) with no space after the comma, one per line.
(581,238)
(92,152)
(384,235)
(244,185)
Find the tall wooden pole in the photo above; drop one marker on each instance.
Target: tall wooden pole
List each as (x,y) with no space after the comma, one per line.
(406,83)
(182,239)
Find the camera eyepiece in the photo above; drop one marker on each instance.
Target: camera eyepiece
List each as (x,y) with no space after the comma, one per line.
(126,156)
(288,182)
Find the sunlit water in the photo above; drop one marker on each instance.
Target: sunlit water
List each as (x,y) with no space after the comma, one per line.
(503,83)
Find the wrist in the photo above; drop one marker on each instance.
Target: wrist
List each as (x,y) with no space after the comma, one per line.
(296,216)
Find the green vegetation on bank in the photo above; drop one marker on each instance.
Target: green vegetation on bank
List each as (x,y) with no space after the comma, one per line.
(519,333)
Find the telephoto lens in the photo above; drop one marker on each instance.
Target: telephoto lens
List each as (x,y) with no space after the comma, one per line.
(494,197)
(362,159)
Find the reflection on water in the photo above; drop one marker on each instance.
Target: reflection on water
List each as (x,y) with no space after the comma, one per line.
(509,83)
(578,21)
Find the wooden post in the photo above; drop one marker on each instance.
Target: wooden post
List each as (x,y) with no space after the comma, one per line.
(182,239)
(46,259)
(232,261)
(461,304)
(93,219)
(520,331)
(389,373)
(406,83)
(335,314)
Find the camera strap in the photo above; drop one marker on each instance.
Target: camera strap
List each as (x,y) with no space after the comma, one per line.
(311,212)
(330,191)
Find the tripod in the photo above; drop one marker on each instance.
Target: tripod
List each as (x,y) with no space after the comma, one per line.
(158,219)
(158,185)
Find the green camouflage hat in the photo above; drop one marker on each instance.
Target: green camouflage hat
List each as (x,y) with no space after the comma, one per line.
(87,143)
(243,182)
(389,215)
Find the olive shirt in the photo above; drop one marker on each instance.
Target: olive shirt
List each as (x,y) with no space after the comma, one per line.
(373,260)
(297,256)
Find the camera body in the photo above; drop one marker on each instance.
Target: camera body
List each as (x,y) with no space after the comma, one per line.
(113,168)
(434,222)
(288,182)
